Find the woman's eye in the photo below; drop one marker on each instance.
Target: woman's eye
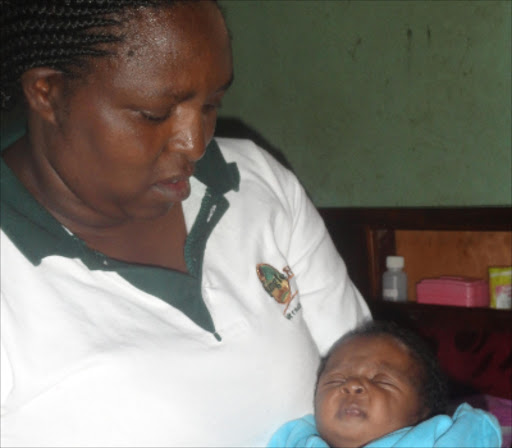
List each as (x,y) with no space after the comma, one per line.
(212,106)
(154,118)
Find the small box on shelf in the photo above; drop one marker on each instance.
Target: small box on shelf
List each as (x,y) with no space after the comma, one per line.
(454,291)
(500,287)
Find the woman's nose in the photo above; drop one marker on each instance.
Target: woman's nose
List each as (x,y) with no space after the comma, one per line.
(353,386)
(188,136)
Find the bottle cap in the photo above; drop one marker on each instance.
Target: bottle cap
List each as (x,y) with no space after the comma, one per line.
(394,262)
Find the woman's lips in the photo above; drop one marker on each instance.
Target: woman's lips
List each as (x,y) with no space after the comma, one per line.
(177,187)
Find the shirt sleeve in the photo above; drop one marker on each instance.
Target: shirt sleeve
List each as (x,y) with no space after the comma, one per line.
(331,302)
(6,378)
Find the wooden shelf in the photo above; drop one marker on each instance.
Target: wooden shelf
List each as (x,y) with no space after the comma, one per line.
(440,316)
(365,236)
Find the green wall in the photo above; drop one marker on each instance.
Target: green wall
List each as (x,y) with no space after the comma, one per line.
(380,103)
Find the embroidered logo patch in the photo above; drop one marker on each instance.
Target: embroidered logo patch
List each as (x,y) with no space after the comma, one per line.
(279,286)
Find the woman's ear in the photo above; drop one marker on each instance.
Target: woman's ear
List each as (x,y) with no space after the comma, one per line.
(43,88)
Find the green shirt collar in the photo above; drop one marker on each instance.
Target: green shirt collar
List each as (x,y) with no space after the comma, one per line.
(37,234)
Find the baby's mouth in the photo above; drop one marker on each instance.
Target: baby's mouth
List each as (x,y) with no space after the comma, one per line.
(351,410)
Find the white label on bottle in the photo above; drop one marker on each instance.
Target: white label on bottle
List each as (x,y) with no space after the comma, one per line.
(390,293)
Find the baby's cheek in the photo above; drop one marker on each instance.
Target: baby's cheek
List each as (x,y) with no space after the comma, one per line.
(324,410)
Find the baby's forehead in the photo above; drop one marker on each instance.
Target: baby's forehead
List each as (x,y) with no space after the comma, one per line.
(385,350)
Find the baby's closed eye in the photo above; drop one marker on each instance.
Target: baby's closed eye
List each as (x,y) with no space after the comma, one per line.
(384,380)
(334,381)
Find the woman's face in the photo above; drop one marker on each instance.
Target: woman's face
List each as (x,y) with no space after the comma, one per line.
(129,134)
(367,390)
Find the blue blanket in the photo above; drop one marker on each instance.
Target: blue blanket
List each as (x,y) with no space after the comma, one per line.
(468,428)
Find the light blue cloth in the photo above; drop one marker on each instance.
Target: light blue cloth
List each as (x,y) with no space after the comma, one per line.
(301,432)
(468,428)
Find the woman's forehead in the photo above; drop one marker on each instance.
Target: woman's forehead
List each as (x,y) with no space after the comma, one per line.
(164,48)
(171,26)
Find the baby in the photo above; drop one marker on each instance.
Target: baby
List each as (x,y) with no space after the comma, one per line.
(381,386)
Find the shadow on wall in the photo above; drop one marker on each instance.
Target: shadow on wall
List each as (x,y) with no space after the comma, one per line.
(236,128)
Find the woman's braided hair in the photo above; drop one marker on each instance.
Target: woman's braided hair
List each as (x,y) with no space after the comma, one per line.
(60,34)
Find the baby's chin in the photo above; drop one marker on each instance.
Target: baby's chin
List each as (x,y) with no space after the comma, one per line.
(347,444)
(347,441)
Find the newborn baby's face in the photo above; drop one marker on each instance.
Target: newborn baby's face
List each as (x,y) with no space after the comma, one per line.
(367,390)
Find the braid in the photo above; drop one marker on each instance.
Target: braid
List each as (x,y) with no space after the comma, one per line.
(60,34)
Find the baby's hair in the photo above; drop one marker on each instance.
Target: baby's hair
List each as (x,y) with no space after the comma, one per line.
(59,34)
(432,384)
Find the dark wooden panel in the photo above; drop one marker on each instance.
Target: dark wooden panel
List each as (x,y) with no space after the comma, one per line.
(438,316)
(432,218)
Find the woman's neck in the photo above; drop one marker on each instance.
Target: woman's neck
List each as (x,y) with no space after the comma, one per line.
(159,241)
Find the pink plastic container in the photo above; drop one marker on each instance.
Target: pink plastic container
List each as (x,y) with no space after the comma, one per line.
(453,291)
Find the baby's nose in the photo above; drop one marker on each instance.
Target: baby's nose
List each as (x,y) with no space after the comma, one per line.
(353,386)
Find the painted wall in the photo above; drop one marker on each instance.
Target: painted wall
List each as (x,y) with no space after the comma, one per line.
(380,103)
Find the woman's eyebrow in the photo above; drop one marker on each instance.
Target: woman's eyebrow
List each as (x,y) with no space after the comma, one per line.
(181,96)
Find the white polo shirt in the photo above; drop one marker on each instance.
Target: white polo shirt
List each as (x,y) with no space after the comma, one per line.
(97,352)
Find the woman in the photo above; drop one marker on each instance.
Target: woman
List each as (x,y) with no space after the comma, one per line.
(159,287)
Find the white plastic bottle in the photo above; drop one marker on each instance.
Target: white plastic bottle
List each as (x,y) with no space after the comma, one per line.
(394,280)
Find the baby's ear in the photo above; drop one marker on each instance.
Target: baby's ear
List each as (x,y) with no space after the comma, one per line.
(43,89)
(424,413)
